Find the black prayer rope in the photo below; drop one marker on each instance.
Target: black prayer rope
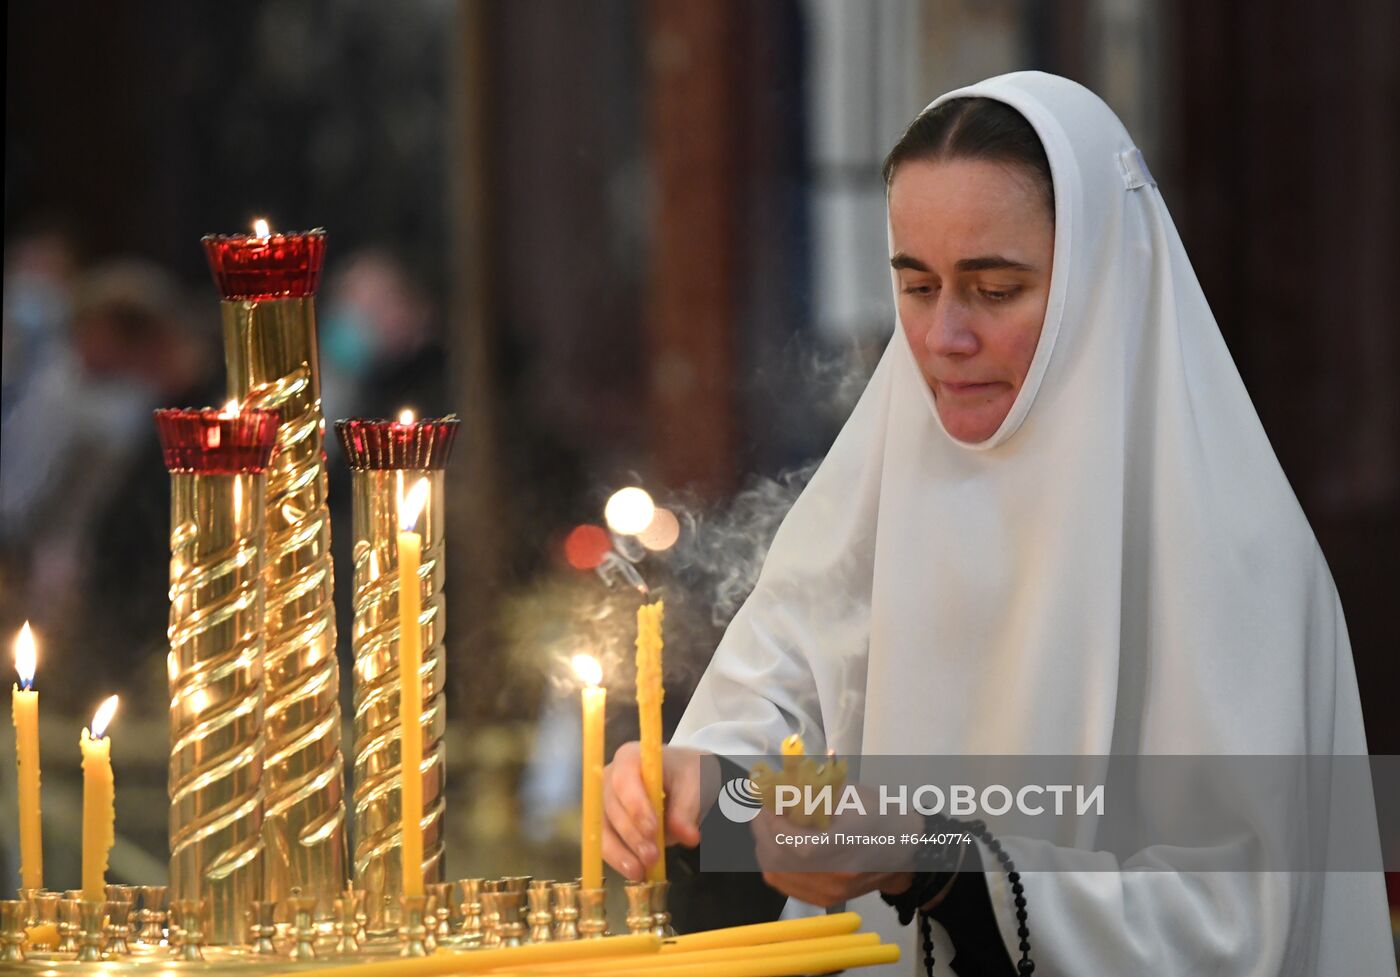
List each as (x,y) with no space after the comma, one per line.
(1025,965)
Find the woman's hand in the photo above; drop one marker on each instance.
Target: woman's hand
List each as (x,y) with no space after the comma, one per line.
(827,889)
(629,828)
(829,873)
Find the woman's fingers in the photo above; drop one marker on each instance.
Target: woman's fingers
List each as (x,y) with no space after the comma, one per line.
(683,799)
(620,857)
(628,818)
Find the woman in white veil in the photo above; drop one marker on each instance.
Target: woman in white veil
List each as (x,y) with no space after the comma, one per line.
(1052,525)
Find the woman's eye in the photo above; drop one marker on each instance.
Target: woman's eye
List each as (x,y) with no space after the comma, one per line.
(998,294)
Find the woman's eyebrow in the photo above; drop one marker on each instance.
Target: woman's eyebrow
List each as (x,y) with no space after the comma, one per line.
(987,262)
(992,262)
(902,260)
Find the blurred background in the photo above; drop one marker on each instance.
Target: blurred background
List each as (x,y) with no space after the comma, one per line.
(628,242)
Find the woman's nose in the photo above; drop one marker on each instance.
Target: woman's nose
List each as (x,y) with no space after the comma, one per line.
(950,333)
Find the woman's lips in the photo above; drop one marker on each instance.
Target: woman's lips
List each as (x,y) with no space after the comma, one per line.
(968,388)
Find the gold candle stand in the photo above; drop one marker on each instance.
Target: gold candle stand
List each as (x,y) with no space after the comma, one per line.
(386,458)
(268,286)
(215,665)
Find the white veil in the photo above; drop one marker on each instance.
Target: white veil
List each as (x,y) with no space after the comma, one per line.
(1121,569)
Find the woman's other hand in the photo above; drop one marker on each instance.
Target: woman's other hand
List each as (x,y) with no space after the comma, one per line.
(629,824)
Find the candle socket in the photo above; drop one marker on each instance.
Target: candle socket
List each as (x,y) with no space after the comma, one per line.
(357,896)
(565,911)
(43,908)
(26,900)
(118,927)
(638,907)
(67,926)
(469,931)
(13,917)
(659,894)
(511,927)
(302,910)
(347,926)
(442,909)
(414,933)
(541,916)
(270,351)
(490,914)
(90,930)
(386,458)
(592,913)
(189,915)
(153,910)
(262,927)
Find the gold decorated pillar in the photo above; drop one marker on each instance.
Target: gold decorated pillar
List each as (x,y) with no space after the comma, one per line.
(386,459)
(268,283)
(217,463)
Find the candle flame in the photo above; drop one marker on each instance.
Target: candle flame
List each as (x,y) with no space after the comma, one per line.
(629,511)
(588,670)
(261,229)
(26,656)
(373,565)
(406,415)
(230,408)
(103,717)
(411,505)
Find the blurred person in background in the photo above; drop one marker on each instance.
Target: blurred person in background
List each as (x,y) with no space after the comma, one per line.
(86,496)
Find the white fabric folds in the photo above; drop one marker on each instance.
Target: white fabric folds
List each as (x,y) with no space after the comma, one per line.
(1122,568)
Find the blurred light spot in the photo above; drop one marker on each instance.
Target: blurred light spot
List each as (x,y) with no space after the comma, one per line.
(585,546)
(629,511)
(587,669)
(663,532)
(261,228)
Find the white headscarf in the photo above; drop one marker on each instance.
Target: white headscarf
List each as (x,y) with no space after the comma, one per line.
(1121,568)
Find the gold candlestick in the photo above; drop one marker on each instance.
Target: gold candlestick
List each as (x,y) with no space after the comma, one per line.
(12,921)
(89,930)
(217,461)
(471,933)
(268,284)
(386,458)
(592,913)
(565,911)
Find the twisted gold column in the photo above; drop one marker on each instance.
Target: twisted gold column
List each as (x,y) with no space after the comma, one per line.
(378,772)
(215,662)
(269,327)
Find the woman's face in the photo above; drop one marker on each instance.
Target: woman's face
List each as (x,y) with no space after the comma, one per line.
(973,243)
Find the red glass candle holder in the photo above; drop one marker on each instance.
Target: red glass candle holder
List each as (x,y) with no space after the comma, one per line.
(211,442)
(279,266)
(383,445)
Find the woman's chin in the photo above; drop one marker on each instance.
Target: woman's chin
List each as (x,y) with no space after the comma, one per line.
(971,425)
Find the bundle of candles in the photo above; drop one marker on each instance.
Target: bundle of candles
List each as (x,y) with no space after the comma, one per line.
(810,775)
(259,867)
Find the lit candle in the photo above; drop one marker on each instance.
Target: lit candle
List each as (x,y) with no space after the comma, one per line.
(595,699)
(411,687)
(649,696)
(99,802)
(24,710)
(793,746)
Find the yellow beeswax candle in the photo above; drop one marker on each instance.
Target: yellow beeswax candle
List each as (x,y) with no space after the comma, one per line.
(649,697)
(99,801)
(640,947)
(835,924)
(411,687)
(670,956)
(810,962)
(595,699)
(24,711)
